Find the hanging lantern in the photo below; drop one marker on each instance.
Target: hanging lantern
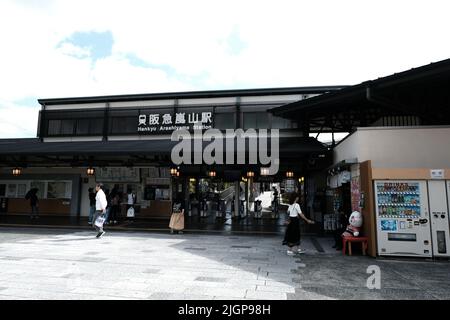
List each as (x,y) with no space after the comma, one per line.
(17,172)
(90,171)
(173,172)
(212,174)
(265,171)
(250,174)
(289,174)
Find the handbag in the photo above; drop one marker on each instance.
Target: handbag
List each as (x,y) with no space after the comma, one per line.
(130,212)
(99,221)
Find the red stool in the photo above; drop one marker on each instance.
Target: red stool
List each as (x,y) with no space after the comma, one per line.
(349,240)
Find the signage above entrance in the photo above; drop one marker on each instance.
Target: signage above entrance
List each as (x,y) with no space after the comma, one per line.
(164,123)
(437,173)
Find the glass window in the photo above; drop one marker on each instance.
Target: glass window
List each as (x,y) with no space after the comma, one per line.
(2,190)
(95,126)
(83,127)
(256,120)
(224,121)
(21,190)
(124,125)
(11,191)
(54,127)
(281,123)
(59,190)
(67,127)
(40,185)
(89,127)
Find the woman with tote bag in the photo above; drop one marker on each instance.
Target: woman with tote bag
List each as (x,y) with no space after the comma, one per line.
(177,219)
(292,236)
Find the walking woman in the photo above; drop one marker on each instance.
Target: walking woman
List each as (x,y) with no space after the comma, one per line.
(292,236)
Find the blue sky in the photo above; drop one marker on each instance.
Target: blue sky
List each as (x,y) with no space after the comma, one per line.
(96,45)
(57,48)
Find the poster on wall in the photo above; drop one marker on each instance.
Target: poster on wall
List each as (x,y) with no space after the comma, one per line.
(355,193)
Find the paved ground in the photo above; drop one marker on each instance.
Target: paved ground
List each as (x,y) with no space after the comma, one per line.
(72,264)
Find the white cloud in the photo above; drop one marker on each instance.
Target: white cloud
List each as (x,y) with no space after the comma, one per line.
(70,49)
(17,121)
(282,43)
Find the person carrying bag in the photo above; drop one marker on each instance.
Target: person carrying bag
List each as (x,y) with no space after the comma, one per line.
(176,223)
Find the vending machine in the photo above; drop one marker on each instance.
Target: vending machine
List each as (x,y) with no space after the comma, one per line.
(402,217)
(439,209)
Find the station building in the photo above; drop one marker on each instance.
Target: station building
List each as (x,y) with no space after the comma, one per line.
(395,158)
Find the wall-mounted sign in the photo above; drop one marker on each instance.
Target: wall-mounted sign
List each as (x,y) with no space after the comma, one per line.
(355,193)
(169,122)
(437,174)
(117,174)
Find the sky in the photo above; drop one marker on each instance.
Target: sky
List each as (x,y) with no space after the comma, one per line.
(68,48)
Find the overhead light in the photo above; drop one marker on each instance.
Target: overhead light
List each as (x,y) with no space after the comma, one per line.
(289,174)
(192,180)
(90,171)
(17,172)
(173,172)
(250,174)
(265,171)
(212,174)
(302,179)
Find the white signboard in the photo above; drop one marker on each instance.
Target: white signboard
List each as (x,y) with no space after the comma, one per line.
(437,173)
(117,174)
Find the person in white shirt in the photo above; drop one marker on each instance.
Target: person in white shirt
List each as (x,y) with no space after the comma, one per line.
(131,201)
(100,208)
(292,236)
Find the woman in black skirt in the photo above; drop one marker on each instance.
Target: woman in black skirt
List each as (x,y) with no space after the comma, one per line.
(292,236)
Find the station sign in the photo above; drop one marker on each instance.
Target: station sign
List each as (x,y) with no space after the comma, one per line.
(166,123)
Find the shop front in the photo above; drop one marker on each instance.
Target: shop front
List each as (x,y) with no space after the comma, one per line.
(393,166)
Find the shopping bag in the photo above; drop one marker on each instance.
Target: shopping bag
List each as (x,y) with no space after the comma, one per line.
(99,221)
(130,212)
(176,221)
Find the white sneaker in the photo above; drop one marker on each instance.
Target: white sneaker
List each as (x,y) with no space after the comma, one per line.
(300,251)
(290,253)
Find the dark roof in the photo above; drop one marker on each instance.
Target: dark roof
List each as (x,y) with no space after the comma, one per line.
(24,147)
(192,94)
(404,93)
